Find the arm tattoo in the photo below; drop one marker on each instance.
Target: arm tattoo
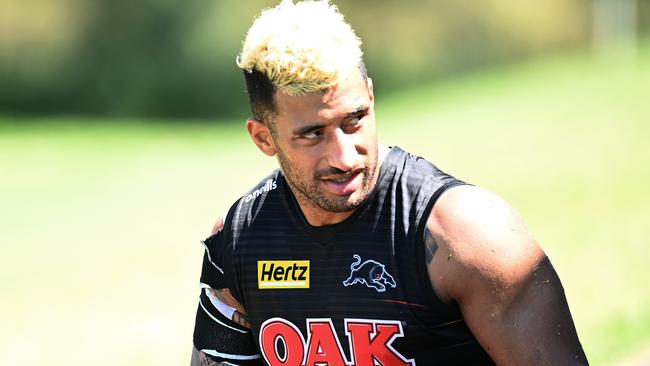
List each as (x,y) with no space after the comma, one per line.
(218,293)
(430,245)
(239,316)
(241,319)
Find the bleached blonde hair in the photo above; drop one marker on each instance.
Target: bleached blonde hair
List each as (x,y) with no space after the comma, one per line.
(301,48)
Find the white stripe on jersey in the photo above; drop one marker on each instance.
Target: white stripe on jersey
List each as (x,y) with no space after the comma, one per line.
(210,258)
(217,320)
(224,309)
(214,353)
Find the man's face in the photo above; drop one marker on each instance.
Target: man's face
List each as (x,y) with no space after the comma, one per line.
(326,144)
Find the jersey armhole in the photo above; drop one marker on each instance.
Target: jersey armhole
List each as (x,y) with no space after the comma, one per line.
(423,275)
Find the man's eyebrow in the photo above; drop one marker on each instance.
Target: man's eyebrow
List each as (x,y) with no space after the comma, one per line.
(360,109)
(311,127)
(308,128)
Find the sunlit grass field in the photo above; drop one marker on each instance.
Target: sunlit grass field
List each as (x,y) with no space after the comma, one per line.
(100,220)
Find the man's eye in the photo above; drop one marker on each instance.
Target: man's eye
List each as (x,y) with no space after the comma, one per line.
(313,135)
(355,122)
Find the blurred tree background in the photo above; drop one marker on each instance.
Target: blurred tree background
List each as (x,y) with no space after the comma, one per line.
(102,207)
(171,59)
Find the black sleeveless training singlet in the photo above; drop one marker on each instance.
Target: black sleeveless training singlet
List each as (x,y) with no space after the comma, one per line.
(353,293)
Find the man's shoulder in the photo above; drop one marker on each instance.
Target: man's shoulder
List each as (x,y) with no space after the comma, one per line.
(252,202)
(476,213)
(418,180)
(263,187)
(257,192)
(416,171)
(480,232)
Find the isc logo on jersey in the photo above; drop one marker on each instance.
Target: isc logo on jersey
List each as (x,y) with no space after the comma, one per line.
(283,274)
(282,343)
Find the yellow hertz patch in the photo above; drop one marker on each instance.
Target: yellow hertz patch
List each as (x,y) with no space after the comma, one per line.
(282,274)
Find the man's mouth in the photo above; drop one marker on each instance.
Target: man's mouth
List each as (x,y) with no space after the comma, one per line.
(343,185)
(341,179)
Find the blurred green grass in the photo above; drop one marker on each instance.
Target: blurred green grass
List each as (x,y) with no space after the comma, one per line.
(101,219)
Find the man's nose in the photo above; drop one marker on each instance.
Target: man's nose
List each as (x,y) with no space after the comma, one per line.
(343,153)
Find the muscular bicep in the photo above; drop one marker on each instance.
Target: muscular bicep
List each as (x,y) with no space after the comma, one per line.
(507,290)
(526,322)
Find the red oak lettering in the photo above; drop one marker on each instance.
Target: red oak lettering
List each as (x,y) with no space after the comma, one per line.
(372,341)
(282,344)
(324,346)
(276,330)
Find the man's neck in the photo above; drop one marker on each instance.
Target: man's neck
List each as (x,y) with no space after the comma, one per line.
(316,216)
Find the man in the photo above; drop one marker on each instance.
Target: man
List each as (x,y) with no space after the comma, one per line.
(353,253)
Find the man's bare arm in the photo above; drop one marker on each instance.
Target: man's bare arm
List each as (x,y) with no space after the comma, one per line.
(481,255)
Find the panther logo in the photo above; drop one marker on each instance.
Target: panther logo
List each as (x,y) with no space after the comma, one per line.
(371,273)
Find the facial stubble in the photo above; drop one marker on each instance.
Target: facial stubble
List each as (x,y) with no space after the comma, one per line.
(311,190)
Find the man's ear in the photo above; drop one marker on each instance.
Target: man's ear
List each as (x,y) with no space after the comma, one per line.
(371,92)
(261,136)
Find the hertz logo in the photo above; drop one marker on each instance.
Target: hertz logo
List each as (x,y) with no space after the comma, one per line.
(282,274)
